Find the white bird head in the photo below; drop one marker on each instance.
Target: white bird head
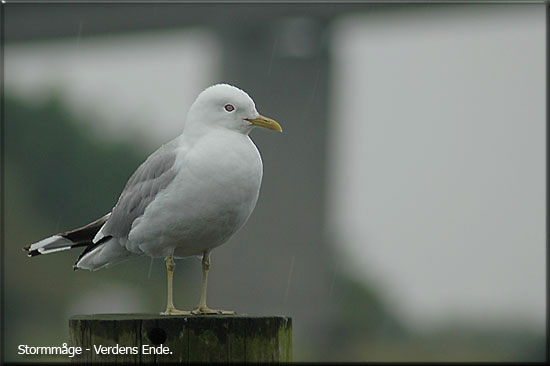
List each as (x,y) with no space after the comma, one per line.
(226,106)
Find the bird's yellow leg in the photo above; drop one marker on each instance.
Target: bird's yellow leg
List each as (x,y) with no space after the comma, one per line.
(170,309)
(201,307)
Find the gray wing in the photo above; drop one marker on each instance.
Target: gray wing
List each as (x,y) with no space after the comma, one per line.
(152,176)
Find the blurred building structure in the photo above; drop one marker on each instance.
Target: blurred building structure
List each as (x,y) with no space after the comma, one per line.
(281,262)
(282,248)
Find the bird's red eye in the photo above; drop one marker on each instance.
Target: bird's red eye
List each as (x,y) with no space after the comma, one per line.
(229,107)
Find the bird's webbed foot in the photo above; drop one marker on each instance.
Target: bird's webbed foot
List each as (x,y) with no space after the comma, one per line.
(207,311)
(174,311)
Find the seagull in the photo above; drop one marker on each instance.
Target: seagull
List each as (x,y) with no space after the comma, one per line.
(187,198)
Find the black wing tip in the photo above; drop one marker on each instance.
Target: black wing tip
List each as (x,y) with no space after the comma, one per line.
(33,253)
(30,253)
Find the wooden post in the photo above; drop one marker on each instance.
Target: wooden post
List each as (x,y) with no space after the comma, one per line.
(156,339)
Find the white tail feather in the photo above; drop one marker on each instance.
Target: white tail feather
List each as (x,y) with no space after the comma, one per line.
(52,244)
(105,255)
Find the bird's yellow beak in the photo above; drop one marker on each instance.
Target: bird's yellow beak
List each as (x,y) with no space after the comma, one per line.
(265,122)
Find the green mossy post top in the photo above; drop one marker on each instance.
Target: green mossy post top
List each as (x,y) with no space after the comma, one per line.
(155,338)
(148,316)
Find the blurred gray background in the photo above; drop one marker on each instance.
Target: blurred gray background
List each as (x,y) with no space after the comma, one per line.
(401,216)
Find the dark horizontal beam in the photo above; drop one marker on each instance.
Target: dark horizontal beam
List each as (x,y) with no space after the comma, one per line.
(36,21)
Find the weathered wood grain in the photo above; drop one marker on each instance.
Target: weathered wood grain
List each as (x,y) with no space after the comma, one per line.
(207,338)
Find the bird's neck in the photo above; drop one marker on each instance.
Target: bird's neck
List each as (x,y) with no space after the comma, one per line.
(194,132)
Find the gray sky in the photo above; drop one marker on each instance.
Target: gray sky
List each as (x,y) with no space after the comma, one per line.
(137,84)
(436,183)
(438,160)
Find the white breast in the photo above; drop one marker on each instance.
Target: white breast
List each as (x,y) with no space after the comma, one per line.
(210,199)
